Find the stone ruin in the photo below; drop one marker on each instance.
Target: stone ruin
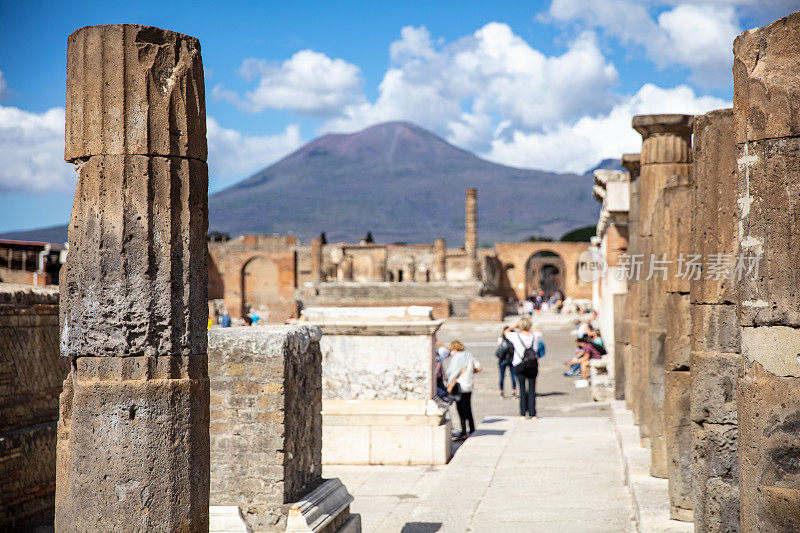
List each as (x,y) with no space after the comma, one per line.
(709,361)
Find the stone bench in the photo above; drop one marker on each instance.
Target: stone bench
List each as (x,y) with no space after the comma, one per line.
(602,385)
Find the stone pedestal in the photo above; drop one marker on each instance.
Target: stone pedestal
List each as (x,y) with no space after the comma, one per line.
(133,449)
(766,125)
(378,384)
(666,152)
(715,357)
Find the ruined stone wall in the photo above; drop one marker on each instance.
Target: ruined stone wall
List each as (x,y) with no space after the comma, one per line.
(31,377)
(766,110)
(266,422)
(632,351)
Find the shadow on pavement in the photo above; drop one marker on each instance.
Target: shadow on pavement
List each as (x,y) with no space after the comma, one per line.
(421,527)
(554,393)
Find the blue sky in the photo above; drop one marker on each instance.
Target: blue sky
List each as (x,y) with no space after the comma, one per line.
(549,85)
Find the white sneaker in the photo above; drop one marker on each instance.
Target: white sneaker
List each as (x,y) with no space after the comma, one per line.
(581,383)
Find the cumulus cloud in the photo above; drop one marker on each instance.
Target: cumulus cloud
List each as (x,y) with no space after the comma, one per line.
(577,146)
(308,83)
(695,35)
(32,151)
(232,154)
(458,89)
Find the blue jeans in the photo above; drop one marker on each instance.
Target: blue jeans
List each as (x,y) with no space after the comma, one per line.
(502,365)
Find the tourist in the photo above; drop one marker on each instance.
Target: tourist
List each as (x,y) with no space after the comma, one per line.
(460,379)
(225,320)
(505,355)
(526,342)
(586,352)
(527,306)
(442,353)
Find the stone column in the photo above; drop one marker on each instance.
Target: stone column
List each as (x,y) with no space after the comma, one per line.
(316,259)
(133,444)
(439,260)
(677,349)
(766,109)
(715,351)
(632,353)
(471,231)
(666,152)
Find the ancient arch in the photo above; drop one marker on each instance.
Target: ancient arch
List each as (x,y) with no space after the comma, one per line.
(544,270)
(259,283)
(514,256)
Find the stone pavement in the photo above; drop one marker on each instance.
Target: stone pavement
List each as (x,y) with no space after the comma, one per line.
(561,472)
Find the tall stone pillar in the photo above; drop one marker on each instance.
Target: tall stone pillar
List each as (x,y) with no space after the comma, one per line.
(715,351)
(471,231)
(632,354)
(677,348)
(766,109)
(439,260)
(316,259)
(666,152)
(133,443)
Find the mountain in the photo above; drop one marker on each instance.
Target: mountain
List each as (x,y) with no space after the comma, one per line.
(606,164)
(399,181)
(404,184)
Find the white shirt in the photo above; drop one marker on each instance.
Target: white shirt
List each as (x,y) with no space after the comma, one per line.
(521,340)
(466,361)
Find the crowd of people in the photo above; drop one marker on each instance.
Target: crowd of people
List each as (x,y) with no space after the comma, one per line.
(539,302)
(589,346)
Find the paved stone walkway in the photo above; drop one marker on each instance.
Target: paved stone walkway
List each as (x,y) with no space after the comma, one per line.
(561,472)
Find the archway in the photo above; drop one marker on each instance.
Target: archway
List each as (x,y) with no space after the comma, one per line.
(544,271)
(259,284)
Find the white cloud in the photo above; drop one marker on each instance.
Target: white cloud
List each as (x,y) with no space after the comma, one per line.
(308,83)
(576,147)
(233,155)
(459,89)
(32,151)
(696,35)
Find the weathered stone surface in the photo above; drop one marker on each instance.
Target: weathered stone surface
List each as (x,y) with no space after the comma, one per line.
(677,230)
(775,348)
(769,197)
(135,90)
(133,445)
(677,351)
(766,97)
(471,230)
(266,421)
(620,344)
(678,437)
(715,475)
(439,260)
(31,375)
(713,387)
(714,210)
(135,279)
(715,328)
(316,259)
(769,452)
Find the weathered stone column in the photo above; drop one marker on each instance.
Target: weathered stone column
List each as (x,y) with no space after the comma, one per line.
(471,231)
(133,445)
(316,259)
(715,357)
(632,354)
(677,349)
(666,152)
(439,260)
(766,110)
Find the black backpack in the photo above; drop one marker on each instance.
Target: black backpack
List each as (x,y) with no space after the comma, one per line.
(599,347)
(505,352)
(529,366)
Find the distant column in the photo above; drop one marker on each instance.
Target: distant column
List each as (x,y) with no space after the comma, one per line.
(439,260)
(316,259)
(632,352)
(133,443)
(766,107)
(666,152)
(471,231)
(715,350)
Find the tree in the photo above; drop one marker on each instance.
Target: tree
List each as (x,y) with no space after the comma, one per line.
(369,239)
(323,238)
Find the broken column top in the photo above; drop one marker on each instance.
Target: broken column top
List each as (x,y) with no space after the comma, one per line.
(676,124)
(766,97)
(135,90)
(631,163)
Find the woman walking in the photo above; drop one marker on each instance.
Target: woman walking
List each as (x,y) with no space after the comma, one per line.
(526,341)
(460,379)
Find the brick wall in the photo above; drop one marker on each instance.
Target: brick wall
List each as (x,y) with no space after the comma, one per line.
(266,422)
(31,376)
(487,308)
